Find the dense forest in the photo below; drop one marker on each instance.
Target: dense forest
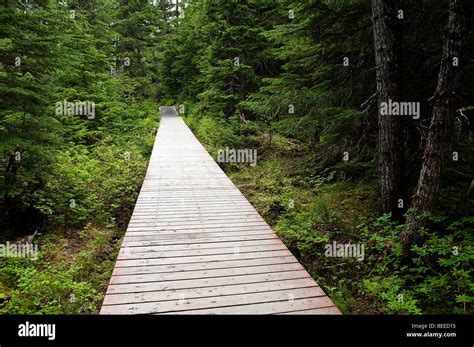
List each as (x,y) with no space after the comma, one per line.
(360,111)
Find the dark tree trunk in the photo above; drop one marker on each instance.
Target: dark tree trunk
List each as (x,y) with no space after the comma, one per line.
(387,43)
(438,140)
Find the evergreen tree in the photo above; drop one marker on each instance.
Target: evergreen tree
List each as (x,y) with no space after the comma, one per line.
(31,53)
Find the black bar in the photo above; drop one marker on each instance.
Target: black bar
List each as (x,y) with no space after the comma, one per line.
(238,329)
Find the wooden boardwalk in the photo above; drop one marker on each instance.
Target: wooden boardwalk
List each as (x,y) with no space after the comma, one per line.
(195,245)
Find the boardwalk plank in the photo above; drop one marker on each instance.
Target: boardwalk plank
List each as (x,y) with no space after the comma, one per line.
(323,310)
(319,302)
(229,264)
(184,304)
(130,242)
(177,294)
(200,259)
(130,253)
(204,282)
(239,271)
(209,245)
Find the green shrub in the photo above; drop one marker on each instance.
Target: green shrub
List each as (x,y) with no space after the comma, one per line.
(49,291)
(70,275)
(438,281)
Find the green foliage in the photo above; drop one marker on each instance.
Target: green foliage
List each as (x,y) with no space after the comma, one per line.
(139,25)
(62,172)
(61,169)
(49,291)
(96,182)
(298,231)
(217,132)
(394,298)
(302,100)
(70,275)
(440,279)
(216,56)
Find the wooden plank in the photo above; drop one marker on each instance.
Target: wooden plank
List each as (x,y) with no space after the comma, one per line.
(208,245)
(200,259)
(175,276)
(180,241)
(224,264)
(222,222)
(184,304)
(176,294)
(191,216)
(183,211)
(204,282)
(267,307)
(235,206)
(322,310)
(195,217)
(196,226)
(196,236)
(130,253)
(205,200)
(203,230)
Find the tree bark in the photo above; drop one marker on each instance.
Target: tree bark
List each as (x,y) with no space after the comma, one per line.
(387,44)
(438,140)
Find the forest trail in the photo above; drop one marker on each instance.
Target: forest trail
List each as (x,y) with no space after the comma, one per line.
(195,245)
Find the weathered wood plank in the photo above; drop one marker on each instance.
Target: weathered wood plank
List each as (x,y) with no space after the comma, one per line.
(218,223)
(204,282)
(184,304)
(200,259)
(203,230)
(175,276)
(194,246)
(177,294)
(224,264)
(130,253)
(196,236)
(319,302)
(187,241)
(322,310)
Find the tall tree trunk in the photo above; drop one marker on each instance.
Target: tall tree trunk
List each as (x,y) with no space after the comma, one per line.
(440,132)
(387,42)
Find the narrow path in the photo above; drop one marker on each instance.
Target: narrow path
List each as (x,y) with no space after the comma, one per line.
(195,245)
